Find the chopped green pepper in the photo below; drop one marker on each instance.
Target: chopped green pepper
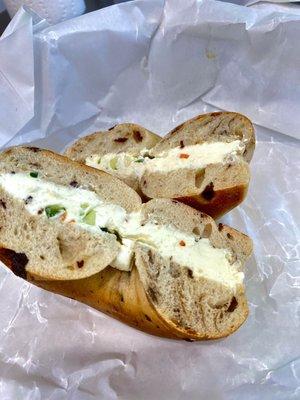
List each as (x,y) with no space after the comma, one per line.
(113,163)
(90,218)
(53,210)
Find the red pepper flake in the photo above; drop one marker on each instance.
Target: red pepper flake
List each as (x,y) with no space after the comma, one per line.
(182,243)
(183,155)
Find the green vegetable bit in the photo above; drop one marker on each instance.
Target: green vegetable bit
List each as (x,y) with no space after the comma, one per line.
(113,163)
(90,218)
(103,228)
(54,209)
(139,160)
(83,210)
(34,174)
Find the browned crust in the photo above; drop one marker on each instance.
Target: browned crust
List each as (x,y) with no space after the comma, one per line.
(121,295)
(117,293)
(222,201)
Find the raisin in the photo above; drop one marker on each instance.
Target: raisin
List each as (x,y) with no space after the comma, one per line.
(121,140)
(208,193)
(74,184)
(233,304)
(137,136)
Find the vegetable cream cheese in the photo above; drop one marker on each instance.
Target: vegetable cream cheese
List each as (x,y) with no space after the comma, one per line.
(85,209)
(190,157)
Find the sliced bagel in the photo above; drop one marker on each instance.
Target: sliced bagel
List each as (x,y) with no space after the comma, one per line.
(39,191)
(225,141)
(128,139)
(203,162)
(171,291)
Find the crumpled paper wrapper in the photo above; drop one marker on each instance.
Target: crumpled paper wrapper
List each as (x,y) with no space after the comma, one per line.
(158,63)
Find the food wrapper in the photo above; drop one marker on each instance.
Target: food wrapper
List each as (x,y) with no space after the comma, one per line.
(158,63)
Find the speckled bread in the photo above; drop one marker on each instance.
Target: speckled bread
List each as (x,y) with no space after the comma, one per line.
(121,138)
(55,250)
(158,296)
(215,189)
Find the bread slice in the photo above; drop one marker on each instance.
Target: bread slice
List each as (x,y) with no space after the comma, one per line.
(158,295)
(53,249)
(122,138)
(214,188)
(197,307)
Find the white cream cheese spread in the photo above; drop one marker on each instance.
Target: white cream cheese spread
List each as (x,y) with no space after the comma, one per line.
(87,210)
(190,157)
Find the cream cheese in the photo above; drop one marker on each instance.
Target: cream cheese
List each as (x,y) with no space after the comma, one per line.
(187,250)
(194,157)
(190,157)
(71,205)
(85,209)
(124,163)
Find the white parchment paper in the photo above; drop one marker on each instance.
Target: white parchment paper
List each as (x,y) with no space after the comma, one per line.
(158,63)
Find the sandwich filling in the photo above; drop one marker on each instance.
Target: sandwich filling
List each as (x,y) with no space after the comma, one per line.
(196,156)
(88,211)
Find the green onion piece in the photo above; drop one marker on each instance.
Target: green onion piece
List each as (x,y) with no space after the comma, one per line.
(99,161)
(103,228)
(113,163)
(90,218)
(53,210)
(139,160)
(34,174)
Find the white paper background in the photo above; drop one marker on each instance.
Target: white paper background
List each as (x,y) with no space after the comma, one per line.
(158,65)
